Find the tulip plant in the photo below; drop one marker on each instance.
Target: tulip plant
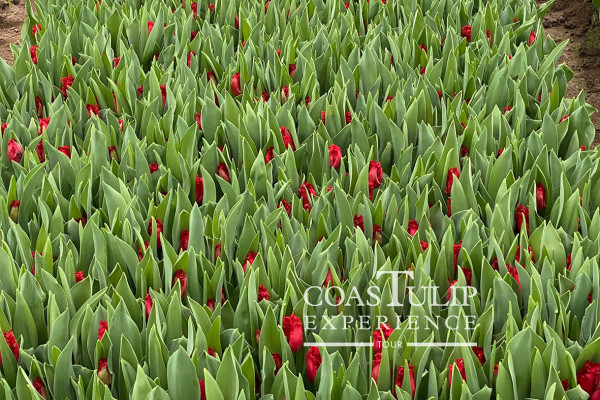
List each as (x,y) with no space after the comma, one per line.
(175,176)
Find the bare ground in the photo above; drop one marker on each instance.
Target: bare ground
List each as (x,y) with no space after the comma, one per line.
(11,21)
(577,21)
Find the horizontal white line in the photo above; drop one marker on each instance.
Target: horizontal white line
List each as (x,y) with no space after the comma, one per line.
(369,344)
(339,344)
(441,344)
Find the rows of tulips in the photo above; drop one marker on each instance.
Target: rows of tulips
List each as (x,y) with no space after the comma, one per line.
(176,175)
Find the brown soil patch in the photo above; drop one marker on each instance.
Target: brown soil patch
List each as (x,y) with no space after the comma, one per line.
(577,21)
(11,21)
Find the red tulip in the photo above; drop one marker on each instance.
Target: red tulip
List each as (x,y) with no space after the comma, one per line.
(566,117)
(211,75)
(116,61)
(413,227)
(307,100)
(540,196)
(103,373)
(466,32)
(236,22)
(588,377)
(78,276)
(449,294)
(199,189)
(467,273)
(489,36)
(479,353)
(92,109)
(83,219)
(211,7)
(269,155)
(286,205)
(249,259)
(14,151)
(263,293)
(500,151)
(3,128)
(184,239)
(181,276)
(292,328)
(67,82)
(285,93)
(292,70)
(422,71)
(36,28)
(159,229)
(305,191)
(328,279)
(278,362)
(532,37)
(375,367)
(515,274)
(288,140)
(150,26)
(140,253)
(522,215)
(464,151)
(424,245)
(496,369)
(348,116)
(457,248)
(14,210)
(112,152)
(102,328)
(235,84)
(452,172)
(313,362)
(38,385)
(507,109)
(375,173)
(569,262)
(400,379)
(335,156)
(12,344)
(218,251)
(359,222)
(323,114)
(377,236)
(153,167)
(148,303)
(383,332)
(202,389)
(66,150)
(33,53)
(460,364)
(223,172)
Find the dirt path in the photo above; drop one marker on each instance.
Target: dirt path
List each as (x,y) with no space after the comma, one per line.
(11,21)
(577,20)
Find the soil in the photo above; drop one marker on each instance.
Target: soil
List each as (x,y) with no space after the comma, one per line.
(11,21)
(575,20)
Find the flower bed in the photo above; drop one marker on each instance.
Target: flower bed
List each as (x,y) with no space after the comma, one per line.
(176,177)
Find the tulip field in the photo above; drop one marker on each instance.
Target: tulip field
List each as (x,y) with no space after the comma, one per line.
(244,200)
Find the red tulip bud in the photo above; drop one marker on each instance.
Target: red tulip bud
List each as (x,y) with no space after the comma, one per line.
(14,151)
(235,84)
(14,210)
(335,156)
(313,362)
(223,172)
(102,328)
(292,328)
(38,385)
(181,276)
(103,373)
